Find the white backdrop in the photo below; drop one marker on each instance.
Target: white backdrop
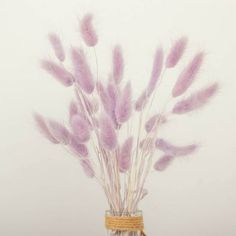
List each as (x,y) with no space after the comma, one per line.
(43,191)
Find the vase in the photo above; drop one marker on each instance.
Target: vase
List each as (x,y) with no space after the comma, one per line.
(113,232)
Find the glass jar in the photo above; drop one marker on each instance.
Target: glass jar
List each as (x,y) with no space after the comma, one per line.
(124,233)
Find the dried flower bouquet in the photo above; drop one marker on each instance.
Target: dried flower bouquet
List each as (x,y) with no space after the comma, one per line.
(101,132)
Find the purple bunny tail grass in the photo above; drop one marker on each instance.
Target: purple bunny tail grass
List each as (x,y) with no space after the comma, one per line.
(87,30)
(176,52)
(87,167)
(108,99)
(57,71)
(43,128)
(104,97)
(81,128)
(57,46)
(59,132)
(124,105)
(172,150)
(118,64)
(83,74)
(163,162)
(141,101)
(113,93)
(78,148)
(124,158)
(188,75)
(73,109)
(196,100)
(156,70)
(107,133)
(153,121)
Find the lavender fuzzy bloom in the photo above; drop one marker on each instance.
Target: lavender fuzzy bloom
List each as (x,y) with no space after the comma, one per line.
(141,101)
(87,167)
(87,31)
(153,121)
(59,132)
(58,72)
(113,94)
(124,157)
(104,97)
(73,109)
(124,105)
(83,74)
(108,98)
(57,46)
(188,75)
(107,133)
(176,52)
(196,100)
(78,148)
(172,150)
(163,162)
(118,64)
(80,128)
(43,128)
(156,70)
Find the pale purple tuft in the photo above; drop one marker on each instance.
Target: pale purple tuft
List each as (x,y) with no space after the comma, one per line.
(59,132)
(113,93)
(124,105)
(196,100)
(104,97)
(87,167)
(83,74)
(188,75)
(154,121)
(57,46)
(73,109)
(77,148)
(80,128)
(43,128)
(107,133)
(118,64)
(124,158)
(57,71)
(108,98)
(87,31)
(163,162)
(176,52)
(172,150)
(141,101)
(156,70)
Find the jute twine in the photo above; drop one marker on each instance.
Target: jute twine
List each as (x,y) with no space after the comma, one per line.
(125,223)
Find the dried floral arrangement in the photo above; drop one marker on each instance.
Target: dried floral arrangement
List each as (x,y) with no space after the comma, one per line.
(100,130)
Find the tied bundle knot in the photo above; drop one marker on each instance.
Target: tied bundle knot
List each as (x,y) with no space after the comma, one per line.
(125,223)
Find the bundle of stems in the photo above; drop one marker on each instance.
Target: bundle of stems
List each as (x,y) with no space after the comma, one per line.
(113,135)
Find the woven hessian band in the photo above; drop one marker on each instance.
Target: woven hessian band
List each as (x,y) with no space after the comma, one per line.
(125,223)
